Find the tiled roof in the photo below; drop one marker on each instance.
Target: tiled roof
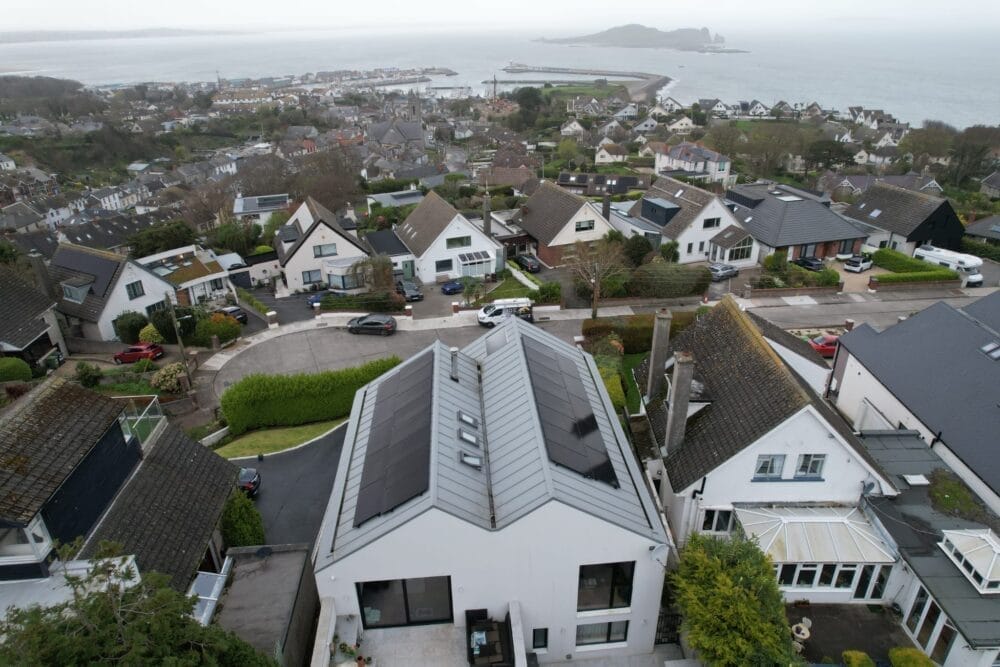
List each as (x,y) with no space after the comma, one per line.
(895,209)
(794,343)
(730,236)
(986,228)
(791,217)
(166,513)
(425,223)
(690,199)
(42,441)
(71,262)
(547,211)
(23,307)
(320,215)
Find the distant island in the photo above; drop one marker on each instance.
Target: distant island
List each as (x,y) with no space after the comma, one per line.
(75,35)
(638,36)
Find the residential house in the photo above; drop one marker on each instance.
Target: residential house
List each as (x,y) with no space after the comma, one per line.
(611,154)
(94,287)
(395,199)
(523,501)
(108,199)
(645,125)
(385,242)
(782,109)
(880,380)
(904,220)
(585,106)
(627,113)
(986,230)
(445,245)
(21,217)
(394,138)
(665,107)
(787,219)
(194,272)
(315,251)
(813,110)
(757,109)
(696,162)
(78,464)
(29,329)
(990,186)
(572,128)
(595,185)
(515,177)
(557,219)
(7,163)
(612,127)
(714,107)
(853,185)
(259,209)
(703,227)
(681,126)
(605,141)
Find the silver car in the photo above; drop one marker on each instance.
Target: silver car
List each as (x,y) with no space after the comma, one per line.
(723,271)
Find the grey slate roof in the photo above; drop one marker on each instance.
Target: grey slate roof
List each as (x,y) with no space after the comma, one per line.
(425,223)
(80,264)
(385,242)
(547,211)
(932,363)
(900,211)
(23,307)
(399,198)
(915,527)
(42,440)
(780,223)
(321,216)
(166,513)
(521,475)
(690,202)
(987,228)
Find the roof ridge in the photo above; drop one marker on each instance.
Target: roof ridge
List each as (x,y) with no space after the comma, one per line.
(107,254)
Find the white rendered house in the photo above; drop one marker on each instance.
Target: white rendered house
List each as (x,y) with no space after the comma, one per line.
(315,251)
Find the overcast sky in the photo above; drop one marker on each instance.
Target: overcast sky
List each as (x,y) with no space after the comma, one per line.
(535,16)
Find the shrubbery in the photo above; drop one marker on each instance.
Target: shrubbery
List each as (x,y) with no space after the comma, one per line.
(550,292)
(143,366)
(909,657)
(897,262)
(13,369)
(289,400)
(88,375)
(933,275)
(128,325)
(250,300)
(218,324)
(634,331)
(658,279)
(170,379)
(241,524)
(856,659)
(149,334)
(613,383)
(981,249)
(187,320)
(377,302)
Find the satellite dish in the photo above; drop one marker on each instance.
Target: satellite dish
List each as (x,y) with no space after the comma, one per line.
(659,554)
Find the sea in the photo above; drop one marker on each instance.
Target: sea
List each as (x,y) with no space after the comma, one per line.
(914,76)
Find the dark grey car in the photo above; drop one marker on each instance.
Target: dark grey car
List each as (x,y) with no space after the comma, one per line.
(409,290)
(375,324)
(723,271)
(810,263)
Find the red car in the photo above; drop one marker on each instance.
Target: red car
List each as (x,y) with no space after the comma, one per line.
(825,344)
(134,353)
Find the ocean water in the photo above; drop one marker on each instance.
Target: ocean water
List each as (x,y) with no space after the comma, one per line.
(913,76)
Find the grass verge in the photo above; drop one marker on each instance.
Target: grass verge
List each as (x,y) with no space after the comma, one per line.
(271,440)
(127,389)
(632,394)
(510,288)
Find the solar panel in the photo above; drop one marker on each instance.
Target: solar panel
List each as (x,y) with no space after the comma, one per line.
(397,458)
(569,426)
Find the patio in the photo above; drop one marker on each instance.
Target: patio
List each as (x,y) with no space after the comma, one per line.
(438,645)
(840,627)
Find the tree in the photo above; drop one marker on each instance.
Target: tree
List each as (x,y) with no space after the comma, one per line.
(724,138)
(733,612)
(827,153)
(934,139)
(9,253)
(241,524)
(263,175)
(115,617)
(636,248)
(326,176)
(530,101)
(128,325)
(374,271)
(597,262)
(669,252)
(567,149)
(237,236)
(968,154)
(161,237)
(277,219)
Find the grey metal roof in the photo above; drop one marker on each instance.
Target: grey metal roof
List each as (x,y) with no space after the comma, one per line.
(987,228)
(779,223)
(400,198)
(385,242)
(933,364)
(517,475)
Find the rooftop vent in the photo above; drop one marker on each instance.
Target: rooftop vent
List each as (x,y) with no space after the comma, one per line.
(917,480)
(991,350)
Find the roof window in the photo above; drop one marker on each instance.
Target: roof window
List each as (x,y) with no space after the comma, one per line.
(875,213)
(468,420)
(977,555)
(471,460)
(468,438)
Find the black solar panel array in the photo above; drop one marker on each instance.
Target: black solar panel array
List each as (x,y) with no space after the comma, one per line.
(569,426)
(398,456)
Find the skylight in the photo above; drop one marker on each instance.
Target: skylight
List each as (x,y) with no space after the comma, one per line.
(679,192)
(989,347)
(875,213)
(471,460)
(788,198)
(917,480)
(468,438)
(977,555)
(749,218)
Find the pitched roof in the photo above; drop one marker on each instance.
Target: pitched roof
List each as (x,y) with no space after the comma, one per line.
(797,345)
(988,228)
(691,200)
(23,307)
(894,209)
(614,149)
(77,263)
(547,211)
(992,181)
(781,216)
(320,215)
(426,222)
(43,439)
(385,242)
(691,152)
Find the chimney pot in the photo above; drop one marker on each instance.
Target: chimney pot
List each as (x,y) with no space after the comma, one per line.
(658,355)
(848,325)
(680,396)
(454,363)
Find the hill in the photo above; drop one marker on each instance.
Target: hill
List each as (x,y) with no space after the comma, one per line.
(634,35)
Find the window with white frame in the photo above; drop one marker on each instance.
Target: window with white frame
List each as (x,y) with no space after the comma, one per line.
(769,466)
(717,521)
(584,225)
(810,466)
(135,290)
(310,277)
(325,250)
(217,284)
(711,223)
(741,250)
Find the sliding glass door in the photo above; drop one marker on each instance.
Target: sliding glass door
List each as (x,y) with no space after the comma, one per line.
(398,602)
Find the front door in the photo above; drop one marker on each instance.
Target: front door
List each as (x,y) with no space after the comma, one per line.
(408,269)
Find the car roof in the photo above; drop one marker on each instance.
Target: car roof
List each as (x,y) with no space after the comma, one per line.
(378,317)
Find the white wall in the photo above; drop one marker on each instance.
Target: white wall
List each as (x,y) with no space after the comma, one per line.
(303,260)
(155,290)
(534,561)
(438,250)
(568,235)
(696,235)
(814,375)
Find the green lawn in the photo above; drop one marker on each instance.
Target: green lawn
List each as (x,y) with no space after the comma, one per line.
(271,440)
(509,289)
(127,389)
(632,395)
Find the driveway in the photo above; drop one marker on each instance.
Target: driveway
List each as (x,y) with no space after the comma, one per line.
(434,304)
(856,282)
(295,488)
(290,309)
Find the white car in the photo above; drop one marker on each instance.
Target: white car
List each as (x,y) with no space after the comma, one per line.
(857,264)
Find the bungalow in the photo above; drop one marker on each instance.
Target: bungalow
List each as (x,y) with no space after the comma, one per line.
(445,245)
(517,497)
(194,272)
(314,250)
(557,219)
(986,230)
(696,162)
(259,209)
(611,154)
(395,199)
(904,220)
(29,329)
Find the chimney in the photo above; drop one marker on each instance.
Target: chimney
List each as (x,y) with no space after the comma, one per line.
(680,394)
(487,217)
(658,355)
(848,325)
(42,279)
(606,208)
(454,363)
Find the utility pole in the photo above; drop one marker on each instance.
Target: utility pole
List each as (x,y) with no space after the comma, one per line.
(596,292)
(180,341)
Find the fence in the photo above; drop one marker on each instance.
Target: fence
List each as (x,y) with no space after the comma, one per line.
(143,415)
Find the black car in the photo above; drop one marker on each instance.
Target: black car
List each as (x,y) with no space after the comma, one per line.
(234,312)
(409,290)
(810,263)
(375,323)
(249,481)
(528,263)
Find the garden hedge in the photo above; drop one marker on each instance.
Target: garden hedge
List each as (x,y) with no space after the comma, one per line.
(897,262)
(981,249)
(856,659)
(260,400)
(659,279)
(218,324)
(613,383)
(917,276)
(376,302)
(907,656)
(128,325)
(635,331)
(241,525)
(13,369)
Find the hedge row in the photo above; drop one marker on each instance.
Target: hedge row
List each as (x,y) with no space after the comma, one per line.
(635,331)
(659,279)
(260,400)
(933,275)
(378,302)
(252,301)
(981,249)
(613,383)
(13,369)
(897,262)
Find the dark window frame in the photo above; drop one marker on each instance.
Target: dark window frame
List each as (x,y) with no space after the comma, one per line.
(406,605)
(458,242)
(129,290)
(540,638)
(438,265)
(621,582)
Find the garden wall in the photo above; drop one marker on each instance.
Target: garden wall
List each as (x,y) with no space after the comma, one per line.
(873,284)
(793,291)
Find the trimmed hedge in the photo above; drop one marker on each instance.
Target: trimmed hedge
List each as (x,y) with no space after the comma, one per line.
(917,276)
(635,331)
(909,657)
(260,400)
(897,262)
(659,279)
(613,383)
(550,292)
(218,324)
(13,369)
(856,659)
(128,325)
(241,525)
(252,301)
(376,302)
(981,249)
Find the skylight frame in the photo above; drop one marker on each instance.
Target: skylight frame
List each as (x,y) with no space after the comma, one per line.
(961,557)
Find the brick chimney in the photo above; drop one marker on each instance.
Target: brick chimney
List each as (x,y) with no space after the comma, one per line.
(658,355)
(680,395)
(606,207)
(487,217)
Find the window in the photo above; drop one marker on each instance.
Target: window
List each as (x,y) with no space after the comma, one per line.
(601,633)
(442,266)
(152,308)
(349,281)
(584,225)
(310,277)
(717,521)
(943,643)
(917,609)
(74,293)
(769,466)
(826,575)
(135,290)
(787,574)
(405,601)
(846,246)
(325,250)
(605,586)
(711,223)
(845,578)
(806,577)
(468,420)
(217,284)
(701,246)
(540,638)
(690,248)
(458,242)
(810,465)
(741,250)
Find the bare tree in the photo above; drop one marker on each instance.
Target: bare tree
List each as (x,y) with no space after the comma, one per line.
(374,271)
(597,262)
(330,177)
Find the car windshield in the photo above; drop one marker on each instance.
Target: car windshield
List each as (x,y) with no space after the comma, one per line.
(820,340)
(489,309)
(247,474)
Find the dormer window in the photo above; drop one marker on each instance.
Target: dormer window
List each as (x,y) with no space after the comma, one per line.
(75,293)
(977,555)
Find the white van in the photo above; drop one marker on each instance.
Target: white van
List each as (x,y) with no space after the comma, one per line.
(967,266)
(493,313)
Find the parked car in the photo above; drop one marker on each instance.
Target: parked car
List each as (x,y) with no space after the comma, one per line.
(723,271)
(249,481)
(314,299)
(494,313)
(234,312)
(529,263)
(375,323)
(409,290)
(452,287)
(134,353)
(857,264)
(810,263)
(825,344)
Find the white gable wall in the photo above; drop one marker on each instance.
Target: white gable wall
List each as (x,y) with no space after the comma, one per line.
(568,234)
(155,288)
(439,251)
(304,259)
(699,238)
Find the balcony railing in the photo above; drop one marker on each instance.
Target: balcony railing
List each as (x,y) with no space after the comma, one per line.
(142,417)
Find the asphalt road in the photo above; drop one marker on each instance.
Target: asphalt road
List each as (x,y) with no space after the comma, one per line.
(295,488)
